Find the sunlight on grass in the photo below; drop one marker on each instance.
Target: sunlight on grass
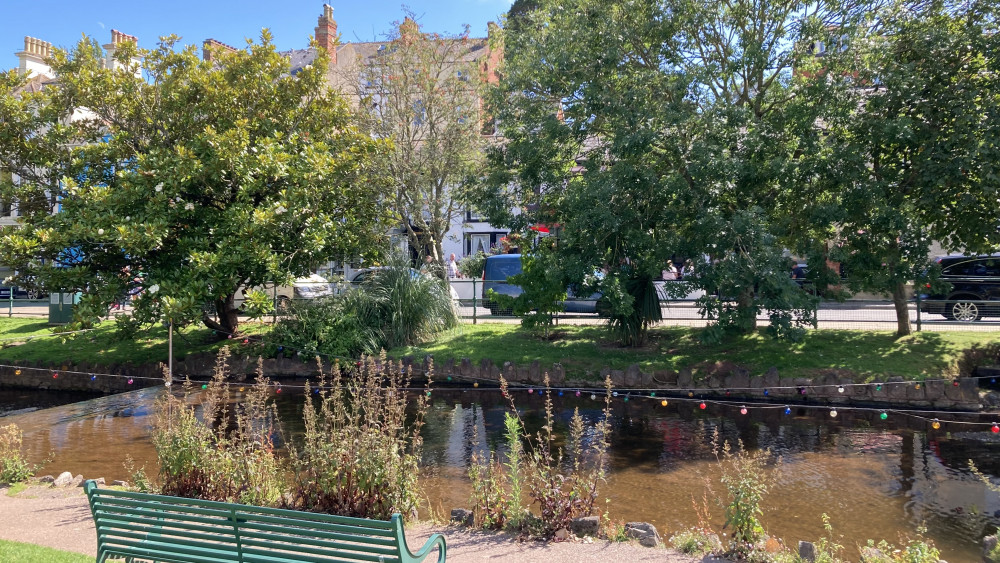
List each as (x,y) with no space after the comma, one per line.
(864,355)
(16,552)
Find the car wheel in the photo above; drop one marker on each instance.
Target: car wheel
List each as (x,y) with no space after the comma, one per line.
(964,311)
(32,294)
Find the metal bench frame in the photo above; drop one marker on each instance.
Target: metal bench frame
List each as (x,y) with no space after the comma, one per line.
(139,526)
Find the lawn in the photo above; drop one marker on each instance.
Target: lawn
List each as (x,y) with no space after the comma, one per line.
(34,340)
(16,552)
(865,354)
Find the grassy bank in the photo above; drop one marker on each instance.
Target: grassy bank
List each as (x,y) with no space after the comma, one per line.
(17,552)
(584,350)
(34,340)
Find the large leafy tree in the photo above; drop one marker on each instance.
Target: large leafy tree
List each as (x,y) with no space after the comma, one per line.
(916,158)
(183,179)
(650,131)
(423,91)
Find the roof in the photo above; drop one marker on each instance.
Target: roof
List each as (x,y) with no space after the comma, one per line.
(35,84)
(475,49)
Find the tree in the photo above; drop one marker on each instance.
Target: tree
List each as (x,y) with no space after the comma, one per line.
(652,131)
(423,91)
(917,157)
(183,179)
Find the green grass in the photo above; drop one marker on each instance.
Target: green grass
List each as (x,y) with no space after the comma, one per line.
(16,552)
(862,354)
(34,340)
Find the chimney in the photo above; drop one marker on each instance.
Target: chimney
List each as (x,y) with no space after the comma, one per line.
(117,39)
(32,58)
(210,46)
(326,33)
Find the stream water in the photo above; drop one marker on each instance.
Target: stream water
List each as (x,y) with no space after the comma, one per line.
(874,479)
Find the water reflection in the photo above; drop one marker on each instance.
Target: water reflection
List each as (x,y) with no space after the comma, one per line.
(875,479)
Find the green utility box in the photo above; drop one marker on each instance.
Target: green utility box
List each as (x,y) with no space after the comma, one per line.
(61,306)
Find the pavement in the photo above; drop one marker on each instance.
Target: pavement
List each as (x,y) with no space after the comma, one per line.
(60,518)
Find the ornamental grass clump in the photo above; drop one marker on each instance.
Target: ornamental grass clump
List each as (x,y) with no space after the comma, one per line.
(359,456)
(209,449)
(14,467)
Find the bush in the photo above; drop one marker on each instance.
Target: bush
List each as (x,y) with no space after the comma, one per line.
(200,457)
(14,468)
(395,306)
(747,482)
(497,487)
(358,456)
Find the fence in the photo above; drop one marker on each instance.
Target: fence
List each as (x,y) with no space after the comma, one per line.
(856,314)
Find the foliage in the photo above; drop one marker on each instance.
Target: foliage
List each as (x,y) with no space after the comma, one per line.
(564,484)
(401,307)
(184,179)
(913,156)
(497,486)
(422,91)
(472,266)
(322,326)
(543,289)
(359,455)
(747,482)
(649,131)
(696,542)
(14,468)
(138,479)
(208,451)
(914,550)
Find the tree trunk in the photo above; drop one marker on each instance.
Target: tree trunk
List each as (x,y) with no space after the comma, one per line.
(229,318)
(902,306)
(746,315)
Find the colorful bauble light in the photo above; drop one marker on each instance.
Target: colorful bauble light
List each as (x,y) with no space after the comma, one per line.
(703,406)
(475,384)
(663,403)
(560,392)
(449,378)
(917,386)
(995,428)
(743,410)
(593,397)
(955,383)
(883,416)
(241,389)
(766,392)
(614,393)
(530,390)
(93,377)
(690,394)
(840,389)
(55,375)
(204,386)
(577,393)
(833,413)
(653,395)
(878,387)
(788,410)
(626,398)
(130,381)
(802,391)
(936,424)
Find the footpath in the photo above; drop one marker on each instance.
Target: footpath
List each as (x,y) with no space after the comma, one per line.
(60,518)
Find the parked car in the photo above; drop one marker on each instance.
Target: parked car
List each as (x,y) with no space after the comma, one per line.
(21,292)
(499,267)
(971,283)
(307,287)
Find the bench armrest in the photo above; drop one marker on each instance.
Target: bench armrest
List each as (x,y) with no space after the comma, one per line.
(437,540)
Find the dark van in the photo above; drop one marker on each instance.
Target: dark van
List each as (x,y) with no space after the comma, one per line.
(974,284)
(501,266)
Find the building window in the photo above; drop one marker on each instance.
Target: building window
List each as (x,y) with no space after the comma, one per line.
(482,242)
(472,216)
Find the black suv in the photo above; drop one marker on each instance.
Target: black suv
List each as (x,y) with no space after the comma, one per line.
(972,280)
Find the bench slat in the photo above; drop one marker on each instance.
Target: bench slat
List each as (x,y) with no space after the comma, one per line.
(171,525)
(160,551)
(254,555)
(262,540)
(126,530)
(253,529)
(262,513)
(270,523)
(125,537)
(181,508)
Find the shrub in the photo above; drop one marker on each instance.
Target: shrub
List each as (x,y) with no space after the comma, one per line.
(472,266)
(323,326)
(696,541)
(497,487)
(747,482)
(401,306)
(564,485)
(359,457)
(14,468)
(201,457)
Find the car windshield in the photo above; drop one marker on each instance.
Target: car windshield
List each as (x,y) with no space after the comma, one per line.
(503,269)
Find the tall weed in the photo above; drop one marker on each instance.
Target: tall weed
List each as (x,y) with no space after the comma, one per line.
(563,485)
(359,456)
(746,480)
(14,467)
(208,450)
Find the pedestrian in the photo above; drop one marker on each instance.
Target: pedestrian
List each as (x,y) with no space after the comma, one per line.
(453,267)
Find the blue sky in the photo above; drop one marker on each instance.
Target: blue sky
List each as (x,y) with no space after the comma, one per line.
(291,21)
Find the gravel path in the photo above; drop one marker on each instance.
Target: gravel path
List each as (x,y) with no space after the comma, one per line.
(60,518)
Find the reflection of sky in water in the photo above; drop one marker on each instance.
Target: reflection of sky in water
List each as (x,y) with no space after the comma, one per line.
(874,479)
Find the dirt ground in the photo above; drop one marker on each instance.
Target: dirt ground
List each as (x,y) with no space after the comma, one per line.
(60,518)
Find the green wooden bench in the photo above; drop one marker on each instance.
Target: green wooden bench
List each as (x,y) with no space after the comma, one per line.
(137,526)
